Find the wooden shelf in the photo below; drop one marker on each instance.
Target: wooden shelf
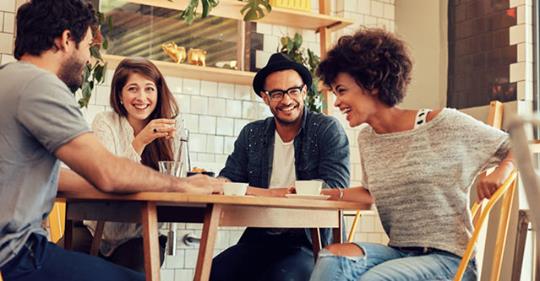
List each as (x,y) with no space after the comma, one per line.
(183,70)
(279,16)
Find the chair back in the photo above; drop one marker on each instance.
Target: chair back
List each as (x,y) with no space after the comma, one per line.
(56,221)
(522,150)
(506,193)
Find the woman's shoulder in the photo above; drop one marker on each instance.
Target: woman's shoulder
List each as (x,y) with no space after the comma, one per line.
(107,118)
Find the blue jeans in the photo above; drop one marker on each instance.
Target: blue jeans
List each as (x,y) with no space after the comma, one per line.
(384,263)
(41,260)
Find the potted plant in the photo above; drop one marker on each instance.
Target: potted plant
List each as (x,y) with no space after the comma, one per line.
(253,10)
(292,47)
(94,72)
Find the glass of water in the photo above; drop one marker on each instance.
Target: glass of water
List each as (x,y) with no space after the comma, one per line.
(171,168)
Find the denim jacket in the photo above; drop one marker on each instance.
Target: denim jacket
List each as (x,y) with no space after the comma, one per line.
(321,151)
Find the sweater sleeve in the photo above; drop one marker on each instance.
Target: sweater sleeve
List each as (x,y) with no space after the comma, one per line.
(487,145)
(110,133)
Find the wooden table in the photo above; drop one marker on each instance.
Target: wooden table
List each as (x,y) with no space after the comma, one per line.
(213,211)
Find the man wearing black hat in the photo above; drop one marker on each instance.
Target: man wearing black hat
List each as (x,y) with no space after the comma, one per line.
(294,144)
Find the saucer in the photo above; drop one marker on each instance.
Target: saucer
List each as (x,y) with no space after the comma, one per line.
(302,196)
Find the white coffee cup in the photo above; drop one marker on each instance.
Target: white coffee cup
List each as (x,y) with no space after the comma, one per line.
(308,187)
(235,188)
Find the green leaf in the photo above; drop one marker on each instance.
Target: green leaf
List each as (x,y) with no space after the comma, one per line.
(94,52)
(190,12)
(297,40)
(205,8)
(98,73)
(254,9)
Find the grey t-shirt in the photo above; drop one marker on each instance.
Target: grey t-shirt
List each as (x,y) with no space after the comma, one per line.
(38,114)
(421,178)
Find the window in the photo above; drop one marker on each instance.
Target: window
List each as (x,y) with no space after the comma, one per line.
(142,30)
(478,53)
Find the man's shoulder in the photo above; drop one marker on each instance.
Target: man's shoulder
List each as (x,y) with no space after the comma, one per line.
(27,72)
(257,125)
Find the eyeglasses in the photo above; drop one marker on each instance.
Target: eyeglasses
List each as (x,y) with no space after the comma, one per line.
(277,95)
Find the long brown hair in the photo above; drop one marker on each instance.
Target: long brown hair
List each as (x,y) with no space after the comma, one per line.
(166,107)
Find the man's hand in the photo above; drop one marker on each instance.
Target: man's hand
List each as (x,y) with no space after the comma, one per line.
(202,184)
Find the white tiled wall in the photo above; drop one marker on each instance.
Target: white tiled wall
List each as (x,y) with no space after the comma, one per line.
(522,71)
(7,23)
(216,112)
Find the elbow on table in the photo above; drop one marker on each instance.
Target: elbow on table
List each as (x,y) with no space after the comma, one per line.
(104,181)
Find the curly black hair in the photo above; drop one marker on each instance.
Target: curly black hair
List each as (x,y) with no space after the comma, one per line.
(39,22)
(375,58)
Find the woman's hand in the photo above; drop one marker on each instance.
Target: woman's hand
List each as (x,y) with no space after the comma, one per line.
(269,192)
(488,185)
(157,128)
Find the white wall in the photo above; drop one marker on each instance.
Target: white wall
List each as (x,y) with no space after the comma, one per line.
(7,22)
(423,25)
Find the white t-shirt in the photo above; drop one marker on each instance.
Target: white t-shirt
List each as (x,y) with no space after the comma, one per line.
(283,169)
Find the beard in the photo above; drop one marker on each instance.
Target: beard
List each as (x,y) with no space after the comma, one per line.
(70,73)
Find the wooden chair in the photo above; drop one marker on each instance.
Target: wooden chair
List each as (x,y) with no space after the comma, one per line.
(56,221)
(506,193)
(494,119)
(523,150)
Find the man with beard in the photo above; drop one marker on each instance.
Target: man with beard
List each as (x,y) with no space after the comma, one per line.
(271,154)
(41,123)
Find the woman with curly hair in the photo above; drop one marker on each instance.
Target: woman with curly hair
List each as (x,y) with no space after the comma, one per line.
(418,165)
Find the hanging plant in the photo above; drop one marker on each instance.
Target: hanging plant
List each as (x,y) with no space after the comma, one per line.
(94,73)
(253,10)
(292,47)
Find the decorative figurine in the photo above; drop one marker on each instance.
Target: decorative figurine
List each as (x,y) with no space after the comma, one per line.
(197,57)
(177,54)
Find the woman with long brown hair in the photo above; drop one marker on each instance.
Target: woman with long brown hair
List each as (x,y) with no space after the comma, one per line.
(141,127)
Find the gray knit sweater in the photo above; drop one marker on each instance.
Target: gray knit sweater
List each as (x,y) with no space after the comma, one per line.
(421,178)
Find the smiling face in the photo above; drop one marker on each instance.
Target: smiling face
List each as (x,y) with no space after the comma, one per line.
(288,109)
(139,97)
(354,101)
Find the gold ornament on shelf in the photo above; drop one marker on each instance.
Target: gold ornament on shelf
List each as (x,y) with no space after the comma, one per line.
(176,53)
(197,57)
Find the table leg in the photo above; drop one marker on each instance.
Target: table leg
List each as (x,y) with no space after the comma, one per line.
(208,240)
(151,243)
(68,235)
(337,233)
(316,242)
(96,240)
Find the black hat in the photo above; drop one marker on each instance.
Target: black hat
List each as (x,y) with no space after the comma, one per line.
(277,62)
